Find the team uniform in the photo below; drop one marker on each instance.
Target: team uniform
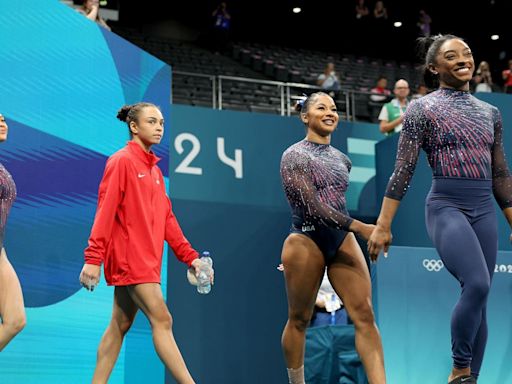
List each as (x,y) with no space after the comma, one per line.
(133,218)
(7,197)
(463,139)
(315,178)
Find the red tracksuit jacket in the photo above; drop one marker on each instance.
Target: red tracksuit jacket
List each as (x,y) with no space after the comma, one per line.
(133,218)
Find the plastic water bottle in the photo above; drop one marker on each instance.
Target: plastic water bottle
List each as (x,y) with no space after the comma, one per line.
(333,313)
(205,271)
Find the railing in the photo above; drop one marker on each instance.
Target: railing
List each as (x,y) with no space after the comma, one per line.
(287,93)
(211,77)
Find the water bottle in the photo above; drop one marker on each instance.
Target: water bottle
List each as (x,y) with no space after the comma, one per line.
(333,313)
(205,271)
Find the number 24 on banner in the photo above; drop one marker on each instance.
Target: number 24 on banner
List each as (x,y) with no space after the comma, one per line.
(185,165)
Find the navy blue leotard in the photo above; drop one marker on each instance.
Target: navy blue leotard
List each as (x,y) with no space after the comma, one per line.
(463,139)
(315,179)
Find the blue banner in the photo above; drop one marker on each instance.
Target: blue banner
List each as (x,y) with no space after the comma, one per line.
(416,296)
(63,78)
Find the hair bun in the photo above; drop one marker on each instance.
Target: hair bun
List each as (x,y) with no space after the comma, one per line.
(300,104)
(122,114)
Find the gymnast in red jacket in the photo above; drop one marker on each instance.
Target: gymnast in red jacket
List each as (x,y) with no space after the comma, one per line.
(133,218)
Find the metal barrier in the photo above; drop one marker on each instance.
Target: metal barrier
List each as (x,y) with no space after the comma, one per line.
(287,93)
(192,74)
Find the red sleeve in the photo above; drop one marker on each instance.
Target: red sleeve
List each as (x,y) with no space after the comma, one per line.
(177,240)
(110,194)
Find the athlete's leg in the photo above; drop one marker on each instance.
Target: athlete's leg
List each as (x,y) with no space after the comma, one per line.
(304,268)
(487,232)
(461,253)
(123,314)
(349,276)
(150,300)
(12,309)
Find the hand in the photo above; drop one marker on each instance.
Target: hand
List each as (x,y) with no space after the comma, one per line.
(196,264)
(320,302)
(365,230)
(379,240)
(90,276)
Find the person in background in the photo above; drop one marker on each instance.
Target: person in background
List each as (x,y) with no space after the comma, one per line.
(221,27)
(329,81)
(379,11)
(392,113)
(483,78)
(379,95)
(91,10)
(329,308)
(424,22)
(380,92)
(507,78)
(421,91)
(361,10)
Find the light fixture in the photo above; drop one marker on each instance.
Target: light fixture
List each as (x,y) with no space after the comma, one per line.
(397,24)
(495,37)
(297,10)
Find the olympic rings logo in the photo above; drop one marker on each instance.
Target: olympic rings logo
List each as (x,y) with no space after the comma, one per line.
(433,265)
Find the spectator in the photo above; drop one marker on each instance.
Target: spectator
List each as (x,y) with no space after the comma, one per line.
(361,10)
(380,92)
(328,80)
(380,12)
(507,76)
(91,10)
(483,78)
(421,91)
(379,95)
(329,308)
(221,27)
(391,114)
(424,23)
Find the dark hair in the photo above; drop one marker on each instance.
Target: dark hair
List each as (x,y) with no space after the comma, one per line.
(129,113)
(428,48)
(302,105)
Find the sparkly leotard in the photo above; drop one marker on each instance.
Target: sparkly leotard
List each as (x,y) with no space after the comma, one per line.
(462,137)
(315,178)
(7,196)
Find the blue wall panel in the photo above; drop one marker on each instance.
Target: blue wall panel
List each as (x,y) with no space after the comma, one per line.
(416,295)
(62,80)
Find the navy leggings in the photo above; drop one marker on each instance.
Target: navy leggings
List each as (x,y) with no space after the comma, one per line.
(461,221)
